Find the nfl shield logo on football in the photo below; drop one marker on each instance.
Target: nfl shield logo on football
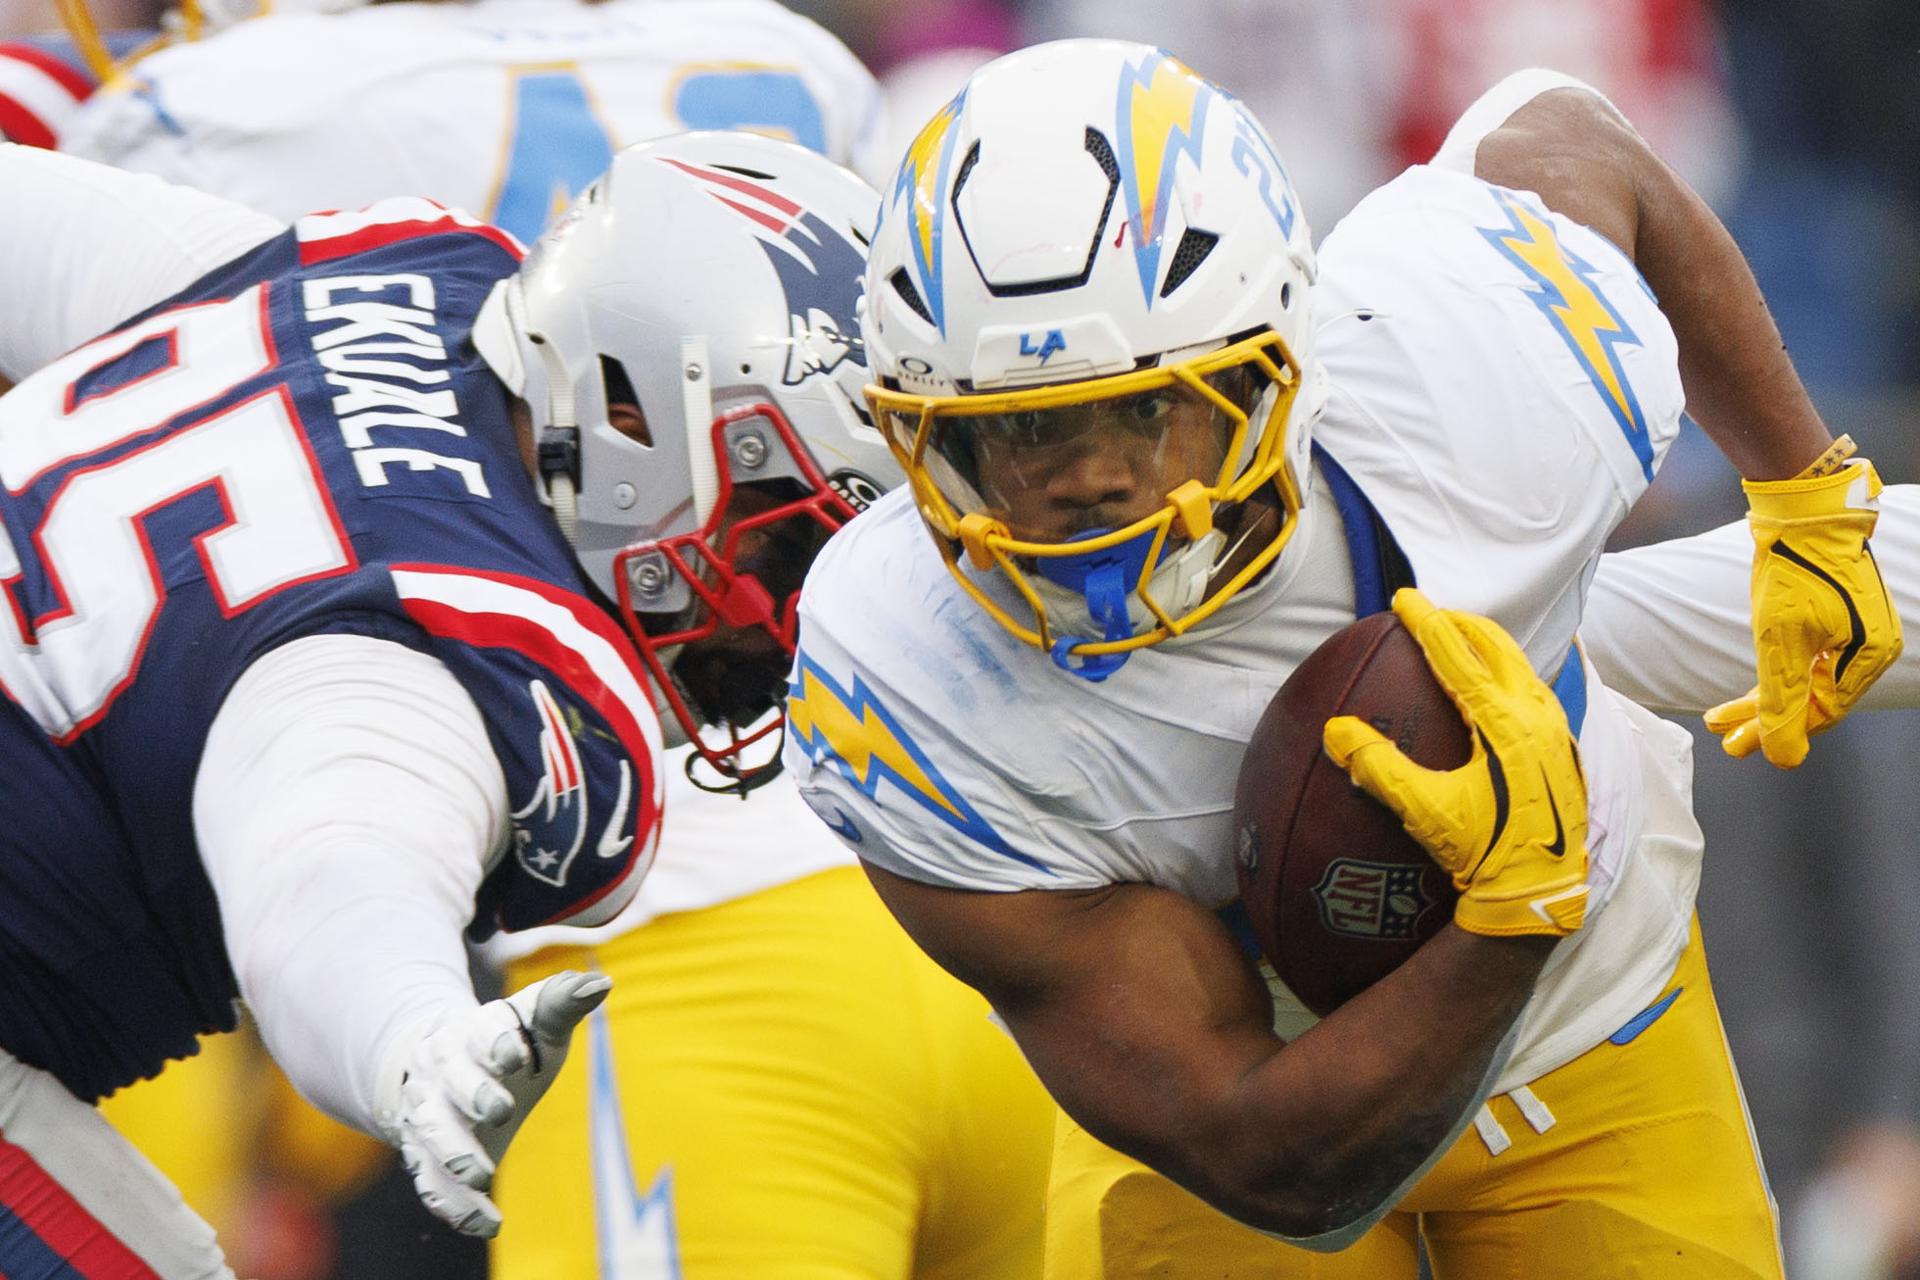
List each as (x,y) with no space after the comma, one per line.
(1371,899)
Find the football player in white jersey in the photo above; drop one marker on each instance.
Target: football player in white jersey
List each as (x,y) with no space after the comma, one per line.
(504,108)
(1163,453)
(774,1030)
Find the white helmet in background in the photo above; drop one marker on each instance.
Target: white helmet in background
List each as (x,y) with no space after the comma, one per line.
(1092,257)
(711,279)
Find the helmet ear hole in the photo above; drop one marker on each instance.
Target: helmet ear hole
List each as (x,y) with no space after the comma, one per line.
(619,390)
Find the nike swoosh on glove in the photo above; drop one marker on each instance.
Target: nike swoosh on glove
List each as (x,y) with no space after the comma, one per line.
(1510,825)
(1823,627)
(452,1099)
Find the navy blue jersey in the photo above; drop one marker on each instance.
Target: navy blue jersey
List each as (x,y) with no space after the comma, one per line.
(304,442)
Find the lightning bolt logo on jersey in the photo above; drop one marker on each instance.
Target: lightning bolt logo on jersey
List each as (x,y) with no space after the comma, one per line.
(859,736)
(1587,322)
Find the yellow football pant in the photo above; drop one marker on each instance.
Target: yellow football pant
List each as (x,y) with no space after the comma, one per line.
(1648,1170)
(778,1087)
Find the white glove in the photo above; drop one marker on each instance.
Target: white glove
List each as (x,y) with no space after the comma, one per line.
(452,1100)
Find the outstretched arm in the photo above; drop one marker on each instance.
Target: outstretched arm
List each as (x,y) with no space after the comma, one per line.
(1667,624)
(1822,624)
(348,807)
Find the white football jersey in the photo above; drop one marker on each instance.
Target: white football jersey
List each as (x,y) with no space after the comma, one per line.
(503,108)
(1503,386)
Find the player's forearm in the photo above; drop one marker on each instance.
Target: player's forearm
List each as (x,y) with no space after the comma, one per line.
(1669,625)
(1331,1125)
(344,808)
(356,966)
(1740,383)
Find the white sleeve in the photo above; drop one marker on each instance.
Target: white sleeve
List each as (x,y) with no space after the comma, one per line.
(347,808)
(1494,108)
(82,247)
(1668,624)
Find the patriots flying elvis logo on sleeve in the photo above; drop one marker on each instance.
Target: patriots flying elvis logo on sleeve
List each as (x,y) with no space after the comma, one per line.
(1587,322)
(551,828)
(856,733)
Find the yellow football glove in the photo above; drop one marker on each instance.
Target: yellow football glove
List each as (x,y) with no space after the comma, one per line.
(1510,825)
(1823,628)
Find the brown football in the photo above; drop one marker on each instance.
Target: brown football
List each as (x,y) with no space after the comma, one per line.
(1337,892)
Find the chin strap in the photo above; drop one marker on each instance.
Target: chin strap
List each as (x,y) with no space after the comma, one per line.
(738,782)
(564,500)
(1105,579)
(559,446)
(502,336)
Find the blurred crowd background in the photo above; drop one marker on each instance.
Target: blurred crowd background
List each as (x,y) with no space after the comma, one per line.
(1798,121)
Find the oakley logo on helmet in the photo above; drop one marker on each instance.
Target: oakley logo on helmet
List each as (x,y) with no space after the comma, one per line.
(856,490)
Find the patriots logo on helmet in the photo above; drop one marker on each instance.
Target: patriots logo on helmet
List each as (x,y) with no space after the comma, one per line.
(550,829)
(819,268)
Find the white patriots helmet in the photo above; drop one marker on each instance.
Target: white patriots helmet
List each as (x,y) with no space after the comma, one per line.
(712,279)
(1091,239)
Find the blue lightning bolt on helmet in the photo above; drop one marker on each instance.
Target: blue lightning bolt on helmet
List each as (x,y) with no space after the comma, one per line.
(1088,309)
(711,280)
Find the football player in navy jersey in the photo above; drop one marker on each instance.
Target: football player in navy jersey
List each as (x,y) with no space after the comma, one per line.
(315,568)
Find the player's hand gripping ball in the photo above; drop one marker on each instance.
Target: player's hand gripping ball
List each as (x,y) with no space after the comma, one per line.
(1339,895)
(1342,885)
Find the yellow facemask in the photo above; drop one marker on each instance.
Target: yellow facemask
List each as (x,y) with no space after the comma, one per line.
(1096,485)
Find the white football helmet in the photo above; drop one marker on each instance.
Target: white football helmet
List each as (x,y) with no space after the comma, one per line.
(711,279)
(1088,307)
